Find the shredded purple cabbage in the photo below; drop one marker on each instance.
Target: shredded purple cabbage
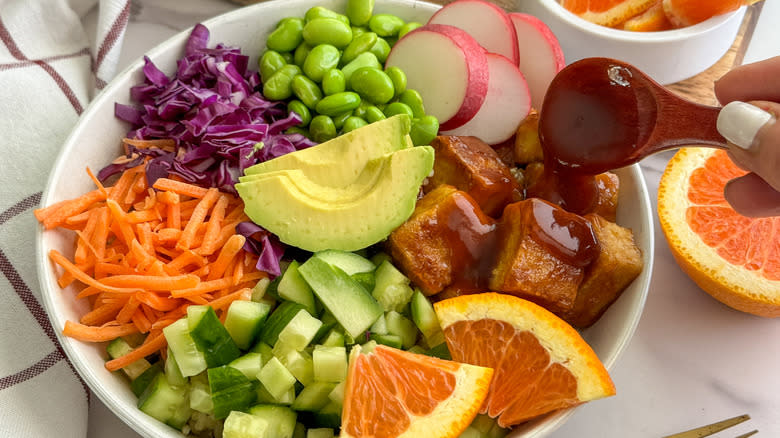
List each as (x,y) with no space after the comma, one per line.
(212,107)
(265,245)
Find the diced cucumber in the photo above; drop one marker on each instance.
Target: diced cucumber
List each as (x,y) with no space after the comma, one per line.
(329,416)
(243,425)
(172,370)
(292,287)
(181,416)
(263,396)
(471,432)
(200,394)
(163,401)
(337,395)
(264,350)
(210,336)
(380,257)
(425,319)
(388,339)
(497,431)
(323,432)
(300,431)
(323,331)
(281,419)
(349,303)
(139,384)
(367,347)
(330,363)
(119,347)
(349,262)
(300,331)
(299,363)
(244,321)
(259,289)
(230,390)
(190,360)
(278,320)
(276,378)
(399,325)
(441,351)
(365,279)
(334,338)
(391,288)
(379,326)
(313,397)
(482,423)
(272,290)
(249,364)
(417,349)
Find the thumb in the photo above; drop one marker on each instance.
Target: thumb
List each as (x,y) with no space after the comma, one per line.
(754,137)
(751,196)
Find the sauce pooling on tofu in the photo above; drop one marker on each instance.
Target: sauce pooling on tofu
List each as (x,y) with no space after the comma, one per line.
(568,236)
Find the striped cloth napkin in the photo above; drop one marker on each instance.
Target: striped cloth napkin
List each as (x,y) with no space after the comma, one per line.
(50,67)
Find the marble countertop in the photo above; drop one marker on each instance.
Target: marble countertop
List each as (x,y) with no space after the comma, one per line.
(692,361)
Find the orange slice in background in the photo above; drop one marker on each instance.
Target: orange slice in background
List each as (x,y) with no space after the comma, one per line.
(734,258)
(393,393)
(689,12)
(652,20)
(607,12)
(540,362)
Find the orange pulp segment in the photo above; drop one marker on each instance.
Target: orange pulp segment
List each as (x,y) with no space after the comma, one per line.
(607,12)
(652,20)
(689,12)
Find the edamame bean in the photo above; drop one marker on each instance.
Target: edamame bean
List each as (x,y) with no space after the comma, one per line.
(279,85)
(322,12)
(353,123)
(320,59)
(322,128)
(360,11)
(301,52)
(270,63)
(338,103)
(413,99)
(397,108)
(307,91)
(424,130)
(327,31)
(381,49)
(365,59)
(296,106)
(408,27)
(333,82)
(360,111)
(297,130)
(385,25)
(359,44)
(372,84)
(339,120)
(288,57)
(359,30)
(374,114)
(399,79)
(287,35)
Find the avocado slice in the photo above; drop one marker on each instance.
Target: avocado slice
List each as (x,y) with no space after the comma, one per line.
(316,217)
(338,162)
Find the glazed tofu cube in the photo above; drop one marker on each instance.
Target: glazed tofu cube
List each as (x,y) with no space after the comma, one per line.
(527,147)
(606,203)
(471,165)
(527,267)
(441,244)
(618,264)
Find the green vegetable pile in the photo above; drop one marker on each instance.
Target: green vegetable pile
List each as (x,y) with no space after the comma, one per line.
(329,68)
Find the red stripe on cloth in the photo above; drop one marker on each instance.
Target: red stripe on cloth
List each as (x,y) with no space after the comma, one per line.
(38,368)
(20,207)
(48,59)
(9,42)
(113,34)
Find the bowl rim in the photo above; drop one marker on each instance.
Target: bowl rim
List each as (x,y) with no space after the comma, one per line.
(146,425)
(628,36)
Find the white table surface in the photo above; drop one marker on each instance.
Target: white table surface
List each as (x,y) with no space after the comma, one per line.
(692,360)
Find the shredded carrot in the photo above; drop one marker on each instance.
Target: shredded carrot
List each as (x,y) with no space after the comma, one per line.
(143,255)
(167,144)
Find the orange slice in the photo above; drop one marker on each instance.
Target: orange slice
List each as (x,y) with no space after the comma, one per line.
(734,258)
(607,12)
(689,12)
(652,20)
(540,362)
(393,393)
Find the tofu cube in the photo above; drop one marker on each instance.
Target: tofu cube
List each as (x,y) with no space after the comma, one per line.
(606,203)
(527,147)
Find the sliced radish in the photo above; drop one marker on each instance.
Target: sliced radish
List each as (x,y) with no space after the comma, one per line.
(506,105)
(486,22)
(542,57)
(447,67)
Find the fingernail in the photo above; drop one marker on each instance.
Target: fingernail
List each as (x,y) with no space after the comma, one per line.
(739,122)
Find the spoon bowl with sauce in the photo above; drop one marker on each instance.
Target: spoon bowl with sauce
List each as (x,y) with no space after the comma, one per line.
(600,114)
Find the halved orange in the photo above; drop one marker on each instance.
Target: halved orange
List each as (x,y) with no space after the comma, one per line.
(734,258)
(652,20)
(540,362)
(393,393)
(607,12)
(689,12)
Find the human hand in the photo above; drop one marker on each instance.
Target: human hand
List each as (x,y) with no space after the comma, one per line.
(751,94)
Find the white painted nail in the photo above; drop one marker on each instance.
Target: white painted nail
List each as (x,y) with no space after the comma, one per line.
(739,122)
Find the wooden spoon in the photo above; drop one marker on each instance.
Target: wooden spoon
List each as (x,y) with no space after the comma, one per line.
(600,114)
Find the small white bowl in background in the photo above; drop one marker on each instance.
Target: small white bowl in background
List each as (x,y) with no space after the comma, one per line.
(668,56)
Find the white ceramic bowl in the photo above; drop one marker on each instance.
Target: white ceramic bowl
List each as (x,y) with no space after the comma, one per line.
(94,142)
(669,56)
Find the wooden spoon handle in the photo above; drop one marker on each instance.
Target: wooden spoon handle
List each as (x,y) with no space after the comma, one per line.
(686,124)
